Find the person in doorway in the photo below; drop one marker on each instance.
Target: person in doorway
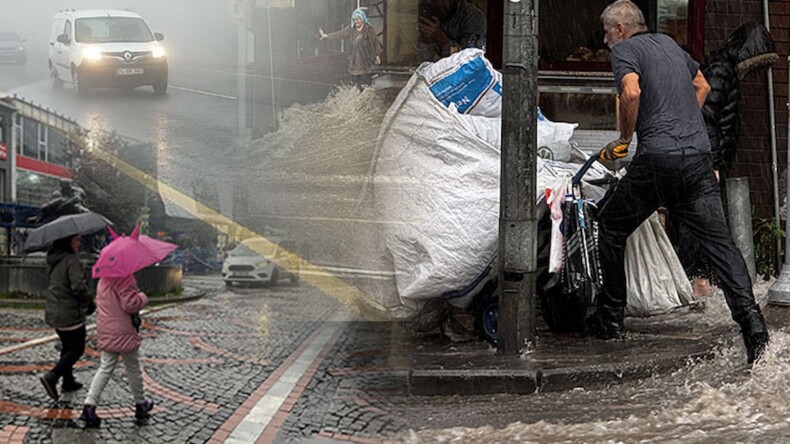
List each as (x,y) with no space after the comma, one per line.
(68,303)
(365,47)
(117,330)
(661,92)
(447,26)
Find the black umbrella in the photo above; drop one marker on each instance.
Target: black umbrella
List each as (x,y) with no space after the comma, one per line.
(65,226)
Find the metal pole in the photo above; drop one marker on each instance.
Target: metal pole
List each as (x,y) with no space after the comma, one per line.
(779,293)
(772,122)
(740,218)
(271,66)
(517,220)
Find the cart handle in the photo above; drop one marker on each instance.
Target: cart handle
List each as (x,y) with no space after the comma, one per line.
(577,178)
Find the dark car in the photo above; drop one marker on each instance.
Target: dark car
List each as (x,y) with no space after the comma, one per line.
(12,48)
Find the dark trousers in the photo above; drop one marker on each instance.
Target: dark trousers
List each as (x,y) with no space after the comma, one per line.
(73,346)
(686,186)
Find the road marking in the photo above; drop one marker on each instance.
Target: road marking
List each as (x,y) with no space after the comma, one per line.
(205,93)
(260,76)
(286,383)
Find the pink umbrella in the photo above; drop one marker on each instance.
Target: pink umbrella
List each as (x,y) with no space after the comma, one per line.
(125,256)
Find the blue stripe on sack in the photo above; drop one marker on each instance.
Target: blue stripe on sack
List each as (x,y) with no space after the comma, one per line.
(465,86)
(498,88)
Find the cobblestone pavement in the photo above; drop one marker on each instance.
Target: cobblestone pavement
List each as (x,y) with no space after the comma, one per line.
(281,364)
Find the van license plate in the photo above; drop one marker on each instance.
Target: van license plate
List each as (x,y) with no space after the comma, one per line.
(130,71)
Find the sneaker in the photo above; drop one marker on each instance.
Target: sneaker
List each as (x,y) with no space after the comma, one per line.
(142,411)
(89,416)
(71,385)
(50,382)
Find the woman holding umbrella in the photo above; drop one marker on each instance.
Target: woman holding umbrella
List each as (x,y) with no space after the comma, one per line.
(68,303)
(117,326)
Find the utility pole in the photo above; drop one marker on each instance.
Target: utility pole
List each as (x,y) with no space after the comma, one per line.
(242,11)
(517,219)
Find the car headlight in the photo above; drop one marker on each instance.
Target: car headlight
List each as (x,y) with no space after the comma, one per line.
(261,264)
(92,54)
(158,52)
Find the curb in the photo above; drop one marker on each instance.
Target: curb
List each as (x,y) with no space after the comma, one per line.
(442,382)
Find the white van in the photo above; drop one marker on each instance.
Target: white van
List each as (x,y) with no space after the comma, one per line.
(105,48)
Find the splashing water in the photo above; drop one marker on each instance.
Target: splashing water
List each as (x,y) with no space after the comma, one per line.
(716,400)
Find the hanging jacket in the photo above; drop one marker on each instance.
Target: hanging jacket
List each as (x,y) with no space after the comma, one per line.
(746,49)
(68,296)
(116,300)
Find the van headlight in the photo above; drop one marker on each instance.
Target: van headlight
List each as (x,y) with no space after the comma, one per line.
(158,52)
(261,264)
(92,54)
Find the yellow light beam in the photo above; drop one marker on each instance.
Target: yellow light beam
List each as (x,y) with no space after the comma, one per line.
(314,275)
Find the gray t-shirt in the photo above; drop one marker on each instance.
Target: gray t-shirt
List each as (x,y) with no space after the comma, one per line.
(669,115)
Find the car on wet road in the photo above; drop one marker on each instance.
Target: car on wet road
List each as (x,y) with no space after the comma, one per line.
(105,48)
(12,48)
(260,261)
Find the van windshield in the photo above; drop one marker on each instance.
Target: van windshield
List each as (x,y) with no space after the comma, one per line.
(112,30)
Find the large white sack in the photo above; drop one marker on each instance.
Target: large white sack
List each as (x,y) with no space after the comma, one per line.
(554,138)
(656,281)
(467,80)
(436,183)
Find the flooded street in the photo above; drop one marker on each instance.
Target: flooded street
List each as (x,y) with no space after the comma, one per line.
(716,400)
(351,310)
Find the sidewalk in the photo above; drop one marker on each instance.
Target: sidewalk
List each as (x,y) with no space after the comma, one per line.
(561,362)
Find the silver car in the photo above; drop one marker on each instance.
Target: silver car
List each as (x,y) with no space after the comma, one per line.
(12,48)
(260,261)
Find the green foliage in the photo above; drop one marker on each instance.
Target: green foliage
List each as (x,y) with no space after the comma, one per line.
(766,234)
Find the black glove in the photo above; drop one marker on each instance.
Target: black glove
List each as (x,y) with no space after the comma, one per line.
(616,149)
(91,308)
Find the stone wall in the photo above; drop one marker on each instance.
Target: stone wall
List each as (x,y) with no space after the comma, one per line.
(28,275)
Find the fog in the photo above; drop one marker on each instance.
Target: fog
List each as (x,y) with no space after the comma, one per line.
(195,30)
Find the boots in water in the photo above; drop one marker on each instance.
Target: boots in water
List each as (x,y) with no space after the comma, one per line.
(90,418)
(605,323)
(755,335)
(142,411)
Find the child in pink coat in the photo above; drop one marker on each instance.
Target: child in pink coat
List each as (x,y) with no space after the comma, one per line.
(117,300)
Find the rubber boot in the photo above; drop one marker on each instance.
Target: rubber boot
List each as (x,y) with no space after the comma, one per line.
(755,335)
(606,323)
(90,418)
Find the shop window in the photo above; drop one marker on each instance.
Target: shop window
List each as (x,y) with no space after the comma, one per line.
(19,135)
(42,142)
(571,38)
(30,138)
(329,15)
(35,189)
